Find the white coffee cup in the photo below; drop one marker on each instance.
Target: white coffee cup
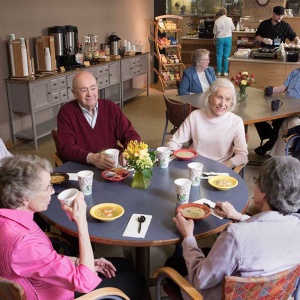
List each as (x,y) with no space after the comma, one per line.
(113,154)
(163,156)
(183,188)
(195,171)
(85,179)
(67,197)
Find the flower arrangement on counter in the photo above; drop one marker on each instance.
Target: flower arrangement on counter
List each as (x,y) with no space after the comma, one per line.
(243,79)
(140,158)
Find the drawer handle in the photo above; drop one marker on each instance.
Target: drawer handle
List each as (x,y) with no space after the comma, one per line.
(62,82)
(54,83)
(55,97)
(64,95)
(49,93)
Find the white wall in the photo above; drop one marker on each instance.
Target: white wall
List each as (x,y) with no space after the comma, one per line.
(130,19)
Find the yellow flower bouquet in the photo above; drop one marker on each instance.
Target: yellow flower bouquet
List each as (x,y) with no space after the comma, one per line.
(142,161)
(243,80)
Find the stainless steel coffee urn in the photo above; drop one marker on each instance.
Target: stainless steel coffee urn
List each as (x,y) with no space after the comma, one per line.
(114,43)
(65,39)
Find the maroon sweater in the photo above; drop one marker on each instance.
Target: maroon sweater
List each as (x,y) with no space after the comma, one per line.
(76,138)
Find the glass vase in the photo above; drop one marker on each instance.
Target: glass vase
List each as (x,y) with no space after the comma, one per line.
(140,181)
(242,95)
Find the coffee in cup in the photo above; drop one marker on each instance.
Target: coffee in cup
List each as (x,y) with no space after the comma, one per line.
(275,104)
(268,90)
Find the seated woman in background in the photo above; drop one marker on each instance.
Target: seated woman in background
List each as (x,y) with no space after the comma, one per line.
(27,255)
(216,132)
(3,151)
(197,78)
(262,245)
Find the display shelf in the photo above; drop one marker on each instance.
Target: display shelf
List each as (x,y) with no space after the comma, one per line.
(170,66)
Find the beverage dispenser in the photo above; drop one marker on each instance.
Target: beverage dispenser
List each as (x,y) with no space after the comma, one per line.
(114,44)
(65,39)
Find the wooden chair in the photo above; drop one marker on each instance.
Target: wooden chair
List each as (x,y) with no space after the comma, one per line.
(278,286)
(58,162)
(10,290)
(176,113)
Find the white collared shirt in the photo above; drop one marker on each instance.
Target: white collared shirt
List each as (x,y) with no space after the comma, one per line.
(90,118)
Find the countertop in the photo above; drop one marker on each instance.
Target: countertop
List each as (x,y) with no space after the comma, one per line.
(256,60)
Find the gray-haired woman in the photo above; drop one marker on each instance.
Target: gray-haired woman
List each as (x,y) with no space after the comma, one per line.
(217,133)
(198,77)
(262,245)
(27,255)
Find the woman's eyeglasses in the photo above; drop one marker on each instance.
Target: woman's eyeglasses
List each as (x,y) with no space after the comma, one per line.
(49,188)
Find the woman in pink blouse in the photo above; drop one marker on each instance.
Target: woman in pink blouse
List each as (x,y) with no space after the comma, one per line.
(27,255)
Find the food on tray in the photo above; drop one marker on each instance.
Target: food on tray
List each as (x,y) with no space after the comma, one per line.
(57,178)
(193,212)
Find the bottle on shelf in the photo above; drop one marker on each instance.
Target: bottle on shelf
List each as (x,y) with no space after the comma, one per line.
(95,48)
(88,49)
(11,54)
(79,55)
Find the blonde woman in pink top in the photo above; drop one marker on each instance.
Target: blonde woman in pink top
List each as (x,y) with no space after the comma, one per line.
(27,255)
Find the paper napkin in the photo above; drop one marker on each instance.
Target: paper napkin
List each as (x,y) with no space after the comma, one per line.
(206,175)
(211,204)
(133,225)
(73,176)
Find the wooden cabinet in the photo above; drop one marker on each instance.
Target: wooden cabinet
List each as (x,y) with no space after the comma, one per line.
(266,72)
(167,51)
(34,104)
(131,68)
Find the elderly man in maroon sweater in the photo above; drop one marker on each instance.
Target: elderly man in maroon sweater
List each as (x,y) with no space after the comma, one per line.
(88,125)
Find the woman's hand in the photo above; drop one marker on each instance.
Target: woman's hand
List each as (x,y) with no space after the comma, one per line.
(77,212)
(185,227)
(226,210)
(105,267)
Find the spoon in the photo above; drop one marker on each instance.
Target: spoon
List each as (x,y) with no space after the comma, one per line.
(141,219)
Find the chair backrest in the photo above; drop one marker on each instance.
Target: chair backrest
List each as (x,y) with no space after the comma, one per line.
(105,293)
(177,111)
(55,138)
(10,290)
(278,286)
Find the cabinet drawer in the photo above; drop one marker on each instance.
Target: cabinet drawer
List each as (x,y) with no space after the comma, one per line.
(105,81)
(62,82)
(54,97)
(54,85)
(63,95)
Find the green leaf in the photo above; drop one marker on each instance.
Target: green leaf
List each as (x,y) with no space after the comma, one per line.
(147,173)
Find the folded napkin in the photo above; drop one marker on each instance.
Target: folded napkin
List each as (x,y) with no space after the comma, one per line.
(211,204)
(206,175)
(133,225)
(73,176)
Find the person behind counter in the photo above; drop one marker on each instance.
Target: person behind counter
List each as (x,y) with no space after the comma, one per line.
(252,246)
(198,77)
(216,132)
(271,32)
(87,125)
(223,28)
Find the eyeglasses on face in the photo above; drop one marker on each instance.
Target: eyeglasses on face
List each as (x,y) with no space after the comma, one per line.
(49,188)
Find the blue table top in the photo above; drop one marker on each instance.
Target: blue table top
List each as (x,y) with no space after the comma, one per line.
(159,200)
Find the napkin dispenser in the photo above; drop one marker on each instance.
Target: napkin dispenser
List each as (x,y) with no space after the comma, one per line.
(292,56)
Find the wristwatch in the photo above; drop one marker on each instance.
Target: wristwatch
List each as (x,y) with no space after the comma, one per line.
(262,2)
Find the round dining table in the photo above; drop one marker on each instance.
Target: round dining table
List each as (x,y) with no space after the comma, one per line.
(159,200)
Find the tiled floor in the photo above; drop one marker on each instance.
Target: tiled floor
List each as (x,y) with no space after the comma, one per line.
(148,117)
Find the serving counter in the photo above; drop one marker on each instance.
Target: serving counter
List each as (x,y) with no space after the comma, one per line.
(266,71)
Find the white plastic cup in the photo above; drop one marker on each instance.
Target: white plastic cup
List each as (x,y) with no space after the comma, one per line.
(67,197)
(195,172)
(163,156)
(183,188)
(85,179)
(113,154)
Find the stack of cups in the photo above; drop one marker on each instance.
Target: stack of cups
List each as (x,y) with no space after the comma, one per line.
(113,154)
(195,172)
(183,188)
(163,156)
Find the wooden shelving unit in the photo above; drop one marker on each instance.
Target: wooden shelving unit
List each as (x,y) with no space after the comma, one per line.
(167,51)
